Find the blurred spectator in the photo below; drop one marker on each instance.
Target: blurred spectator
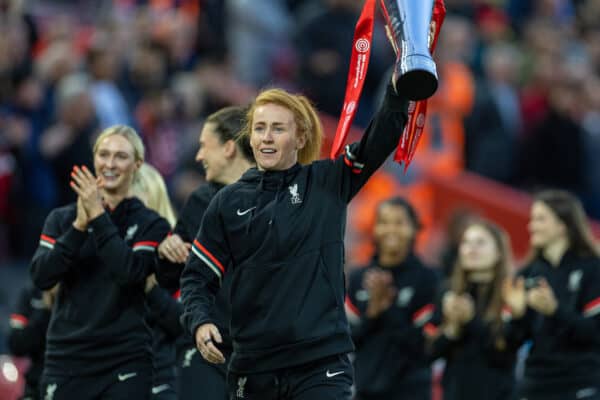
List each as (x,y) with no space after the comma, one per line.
(258,35)
(493,127)
(324,45)
(591,139)
(68,141)
(103,66)
(552,153)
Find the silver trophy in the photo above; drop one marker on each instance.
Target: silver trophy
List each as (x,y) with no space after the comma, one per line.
(409,27)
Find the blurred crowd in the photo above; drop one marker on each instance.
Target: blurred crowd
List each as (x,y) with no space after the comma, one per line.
(519,100)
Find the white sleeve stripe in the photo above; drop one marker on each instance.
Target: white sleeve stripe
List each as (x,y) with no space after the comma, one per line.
(144,248)
(46,244)
(207,262)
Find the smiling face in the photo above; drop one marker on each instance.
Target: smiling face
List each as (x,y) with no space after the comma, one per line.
(212,153)
(544,226)
(274,138)
(478,250)
(115,164)
(394,231)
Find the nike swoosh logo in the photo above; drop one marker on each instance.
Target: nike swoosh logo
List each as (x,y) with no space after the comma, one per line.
(160,388)
(240,213)
(332,374)
(124,377)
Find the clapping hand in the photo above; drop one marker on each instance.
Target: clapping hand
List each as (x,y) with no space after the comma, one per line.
(87,187)
(542,299)
(458,310)
(380,285)
(515,296)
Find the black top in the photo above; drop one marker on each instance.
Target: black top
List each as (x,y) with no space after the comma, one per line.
(164,311)
(566,348)
(97,321)
(480,363)
(27,336)
(390,349)
(188,223)
(280,235)
(169,273)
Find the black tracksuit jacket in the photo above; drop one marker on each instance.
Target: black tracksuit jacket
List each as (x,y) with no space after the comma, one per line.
(27,336)
(280,234)
(477,367)
(164,311)
(390,349)
(169,274)
(97,321)
(565,352)
(188,223)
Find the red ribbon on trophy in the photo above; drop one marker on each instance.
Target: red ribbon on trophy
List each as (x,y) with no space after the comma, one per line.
(361,52)
(359,63)
(417,110)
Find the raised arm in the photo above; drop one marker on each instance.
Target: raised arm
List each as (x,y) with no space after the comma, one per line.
(361,159)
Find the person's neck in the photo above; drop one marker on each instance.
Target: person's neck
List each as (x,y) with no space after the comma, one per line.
(235,171)
(112,199)
(555,251)
(392,259)
(481,277)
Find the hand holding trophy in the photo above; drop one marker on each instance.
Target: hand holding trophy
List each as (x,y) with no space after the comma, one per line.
(413,27)
(408,25)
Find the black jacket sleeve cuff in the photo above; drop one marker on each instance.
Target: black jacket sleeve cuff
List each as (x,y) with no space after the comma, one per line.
(72,239)
(103,226)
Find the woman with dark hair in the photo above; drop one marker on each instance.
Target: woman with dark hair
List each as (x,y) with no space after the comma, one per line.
(224,157)
(555,303)
(389,303)
(479,357)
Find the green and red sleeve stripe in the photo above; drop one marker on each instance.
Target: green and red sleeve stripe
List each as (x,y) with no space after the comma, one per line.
(145,246)
(506,314)
(592,308)
(423,315)
(18,321)
(350,161)
(47,241)
(431,330)
(211,261)
(352,312)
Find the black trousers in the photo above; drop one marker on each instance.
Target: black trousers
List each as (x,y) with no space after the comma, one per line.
(199,379)
(127,382)
(329,378)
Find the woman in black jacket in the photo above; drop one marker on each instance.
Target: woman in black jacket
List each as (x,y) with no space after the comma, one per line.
(164,309)
(556,303)
(279,231)
(27,335)
(224,159)
(389,304)
(480,359)
(100,251)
